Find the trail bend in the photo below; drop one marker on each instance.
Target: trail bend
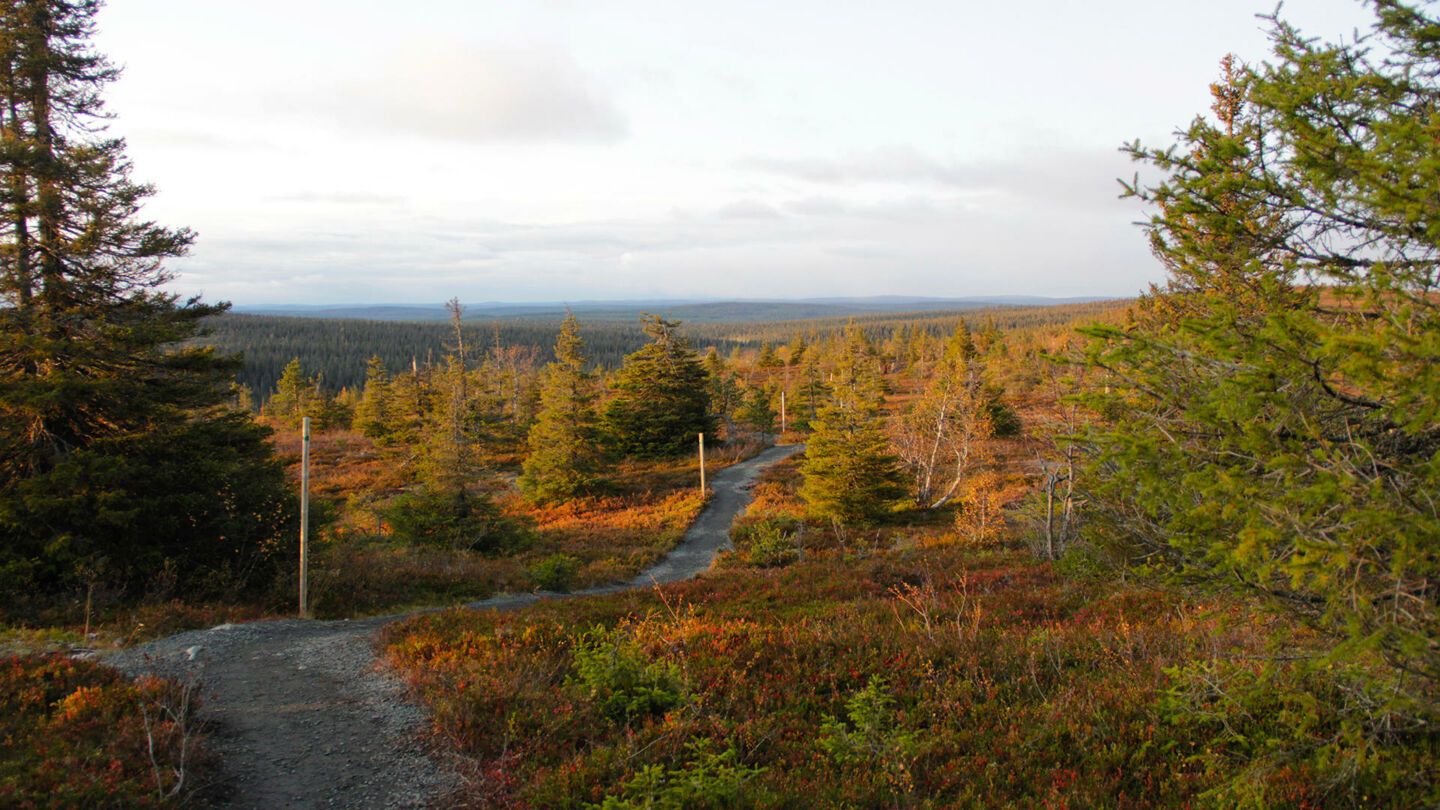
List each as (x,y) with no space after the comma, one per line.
(301,714)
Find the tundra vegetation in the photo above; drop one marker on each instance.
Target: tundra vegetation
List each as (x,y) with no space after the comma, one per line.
(1179,550)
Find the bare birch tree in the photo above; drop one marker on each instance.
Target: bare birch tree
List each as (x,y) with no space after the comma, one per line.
(941,437)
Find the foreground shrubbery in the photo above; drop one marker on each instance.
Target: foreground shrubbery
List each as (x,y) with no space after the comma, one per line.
(850,681)
(903,667)
(922,678)
(77,734)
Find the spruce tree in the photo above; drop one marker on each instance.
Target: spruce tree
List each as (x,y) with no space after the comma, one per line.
(797,352)
(1276,425)
(296,395)
(858,372)
(564,455)
(811,395)
(849,472)
(660,400)
(98,389)
(371,412)
(725,393)
(768,359)
(756,411)
(84,324)
(448,451)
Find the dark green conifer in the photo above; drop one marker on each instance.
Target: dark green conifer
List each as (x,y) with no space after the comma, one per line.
(768,359)
(725,393)
(371,412)
(660,401)
(850,473)
(296,395)
(117,453)
(756,410)
(564,458)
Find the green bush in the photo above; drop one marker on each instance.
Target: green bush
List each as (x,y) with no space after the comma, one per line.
(873,739)
(1004,421)
(457,521)
(625,683)
(554,573)
(707,780)
(770,542)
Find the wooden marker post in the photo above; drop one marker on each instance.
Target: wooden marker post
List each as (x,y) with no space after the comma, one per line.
(305,518)
(702,464)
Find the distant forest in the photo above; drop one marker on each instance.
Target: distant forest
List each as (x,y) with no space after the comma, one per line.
(337,349)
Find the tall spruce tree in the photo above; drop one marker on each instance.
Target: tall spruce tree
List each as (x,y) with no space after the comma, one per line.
(725,390)
(849,472)
(756,410)
(96,394)
(660,399)
(564,458)
(1277,403)
(296,396)
(372,411)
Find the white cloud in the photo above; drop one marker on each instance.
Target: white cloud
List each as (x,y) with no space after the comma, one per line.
(473,94)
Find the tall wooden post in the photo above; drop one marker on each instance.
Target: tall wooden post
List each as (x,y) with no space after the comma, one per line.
(782,410)
(305,518)
(702,463)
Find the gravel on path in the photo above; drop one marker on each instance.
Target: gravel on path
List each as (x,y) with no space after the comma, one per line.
(301,714)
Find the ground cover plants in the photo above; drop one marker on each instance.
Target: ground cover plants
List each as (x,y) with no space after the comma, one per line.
(899,667)
(77,734)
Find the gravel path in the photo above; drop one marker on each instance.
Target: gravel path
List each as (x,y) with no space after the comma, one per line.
(301,714)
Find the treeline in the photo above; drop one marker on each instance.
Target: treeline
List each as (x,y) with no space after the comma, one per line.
(881,327)
(336,350)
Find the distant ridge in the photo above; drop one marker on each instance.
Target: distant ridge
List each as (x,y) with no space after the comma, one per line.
(689,310)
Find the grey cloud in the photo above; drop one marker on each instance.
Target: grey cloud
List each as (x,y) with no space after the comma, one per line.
(920,241)
(891,164)
(475,94)
(748,209)
(868,252)
(817,207)
(808,170)
(1062,175)
(340,198)
(196,139)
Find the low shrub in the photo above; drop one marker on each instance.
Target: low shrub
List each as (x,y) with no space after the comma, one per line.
(626,684)
(77,734)
(554,573)
(770,541)
(706,781)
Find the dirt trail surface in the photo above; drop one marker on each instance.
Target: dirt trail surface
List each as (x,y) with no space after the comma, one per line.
(301,714)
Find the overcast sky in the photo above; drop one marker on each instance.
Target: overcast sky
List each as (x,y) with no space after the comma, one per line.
(343,151)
